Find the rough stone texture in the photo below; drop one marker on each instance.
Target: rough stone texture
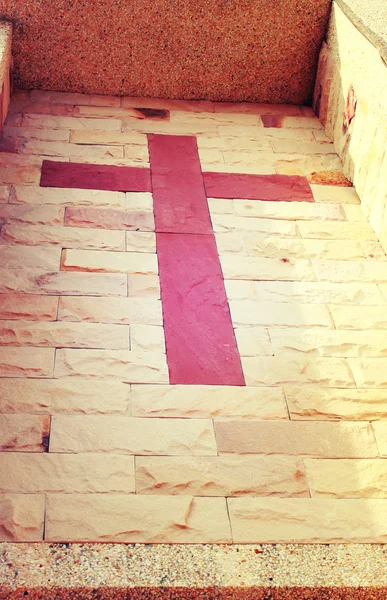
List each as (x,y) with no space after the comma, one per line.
(33,307)
(26,362)
(109,262)
(68,237)
(110,310)
(24,433)
(251,267)
(380,430)
(271,247)
(34,215)
(110,219)
(19,257)
(347,478)
(67,197)
(330,343)
(147,338)
(245,312)
(359,317)
(21,517)
(368,372)
(253,341)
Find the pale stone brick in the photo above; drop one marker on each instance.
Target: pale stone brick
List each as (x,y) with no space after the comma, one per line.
(50,396)
(144,286)
(245,312)
(128,435)
(242,119)
(227,223)
(380,430)
(68,335)
(19,257)
(74,98)
(31,281)
(235,143)
(139,163)
(35,308)
(66,473)
(270,269)
(135,518)
(110,310)
(166,127)
(272,247)
(103,218)
(166,104)
(333,193)
(286,164)
(300,122)
(314,403)
(321,136)
(32,133)
(303,520)
(139,201)
(4,193)
(26,362)
(289,210)
(131,367)
(200,401)
(347,478)
(253,168)
(373,251)
(369,372)
(19,175)
(290,147)
(108,138)
(147,338)
(297,438)
(106,112)
(336,231)
(222,476)
(354,213)
(256,108)
(66,197)
(21,517)
(258,133)
(109,262)
(348,271)
(238,289)
(31,215)
(230,242)
(65,237)
(383,288)
(326,372)
(24,433)
(52,122)
(329,343)
(65,149)
(140,241)
(211,156)
(221,207)
(359,317)
(253,341)
(137,153)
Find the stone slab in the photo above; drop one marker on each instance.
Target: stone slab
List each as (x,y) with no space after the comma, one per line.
(258,187)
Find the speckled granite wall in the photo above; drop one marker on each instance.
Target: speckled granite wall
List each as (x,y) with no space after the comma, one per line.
(234,50)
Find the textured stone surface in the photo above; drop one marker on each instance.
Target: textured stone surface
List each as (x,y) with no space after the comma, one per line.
(110,310)
(24,433)
(330,343)
(369,372)
(272,247)
(136,518)
(226,223)
(338,231)
(253,341)
(21,517)
(324,440)
(17,257)
(347,271)
(26,362)
(347,478)
(126,435)
(68,237)
(110,219)
(147,338)
(33,307)
(256,187)
(359,317)
(33,214)
(109,262)
(218,402)
(140,241)
(304,211)
(222,476)
(245,312)
(66,197)
(257,268)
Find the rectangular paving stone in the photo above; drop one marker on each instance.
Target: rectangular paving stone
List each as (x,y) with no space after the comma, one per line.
(31,281)
(272,247)
(60,334)
(50,148)
(19,175)
(110,219)
(245,312)
(324,440)
(24,433)
(347,478)
(299,520)
(258,187)
(32,133)
(380,430)
(35,308)
(110,310)
(289,147)
(66,395)
(222,476)
(313,403)
(74,98)
(21,517)
(113,138)
(208,402)
(359,317)
(224,223)
(32,214)
(253,341)
(55,122)
(135,518)
(332,193)
(131,367)
(65,237)
(258,133)
(349,271)
(139,201)
(270,269)
(336,231)
(280,370)
(147,338)
(140,241)
(66,197)
(144,286)
(19,257)
(109,262)
(117,434)
(329,343)
(369,372)
(26,362)
(304,211)
(66,473)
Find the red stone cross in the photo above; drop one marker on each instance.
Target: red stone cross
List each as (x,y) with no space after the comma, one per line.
(200,342)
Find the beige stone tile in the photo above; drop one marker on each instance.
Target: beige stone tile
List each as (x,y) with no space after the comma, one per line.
(50,396)
(230,223)
(221,207)
(26,362)
(103,218)
(52,122)
(257,168)
(312,403)
(145,286)
(380,430)
(257,108)
(31,281)
(348,271)
(32,214)
(359,317)
(329,343)
(21,517)
(253,341)
(270,269)
(321,136)
(230,242)
(20,306)
(139,163)
(242,119)
(297,438)
(140,241)
(347,478)
(128,435)
(201,127)
(147,338)
(166,104)
(19,175)
(32,133)
(108,138)
(24,433)
(280,370)
(291,147)
(373,251)
(4,193)
(304,211)
(66,197)
(135,518)
(235,143)
(354,213)
(61,334)
(221,476)
(111,310)
(274,247)
(369,372)
(18,257)
(139,201)
(246,312)
(257,133)
(74,98)
(303,520)
(65,237)
(109,262)
(383,289)
(106,112)
(336,231)
(239,289)
(210,156)
(200,401)
(66,473)
(46,148)
(300,122)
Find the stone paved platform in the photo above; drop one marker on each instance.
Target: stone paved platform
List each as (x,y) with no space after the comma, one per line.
(97,444)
